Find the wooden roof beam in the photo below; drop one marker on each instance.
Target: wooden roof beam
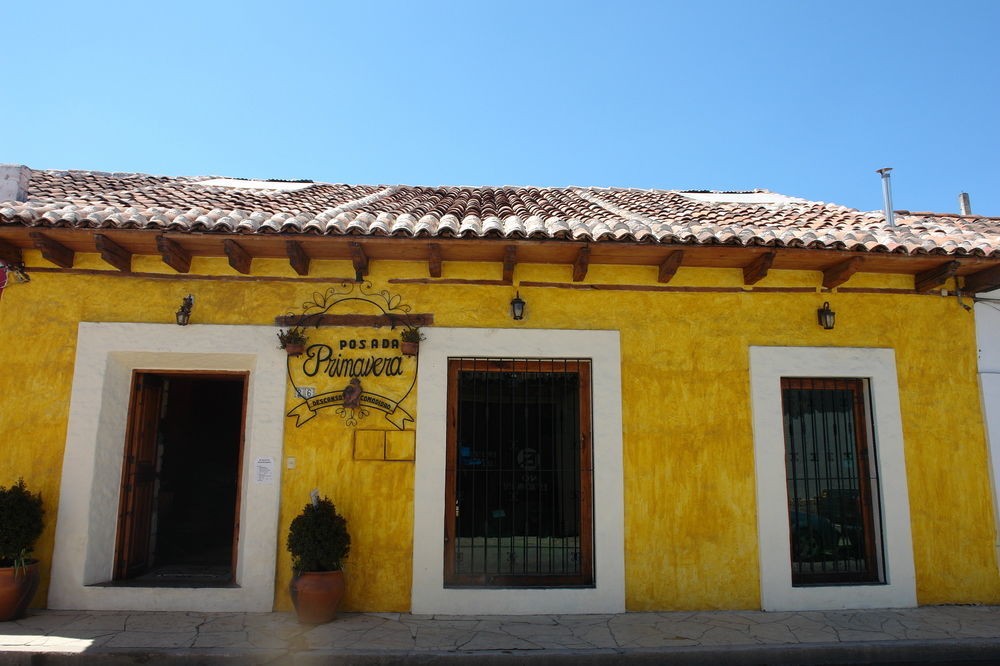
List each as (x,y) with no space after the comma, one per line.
(10,254)
(984,280)
(173,254)
(581,264)
(360,261)
(669,266)
(54,251)
(509,262)
(238,257)
(434,260)
(838,274)
(757,269)
(935,277)
(113,253)
(297,257)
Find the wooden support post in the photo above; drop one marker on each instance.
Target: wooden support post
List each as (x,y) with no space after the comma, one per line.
(297,257)
(935,277)
(173,254)
(669,266)
(757,269)
(984,280)
(113,253)
(239,258)
(581,264)
(434,260)
(56,252)
(509,262)
(360,261)
(10,254)
(838,274)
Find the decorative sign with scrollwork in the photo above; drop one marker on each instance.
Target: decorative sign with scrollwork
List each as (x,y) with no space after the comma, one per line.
(352,359)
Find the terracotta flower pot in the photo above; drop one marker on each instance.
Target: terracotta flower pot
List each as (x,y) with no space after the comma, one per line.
(316,595)
(409,348)
(295,348)
(17,587)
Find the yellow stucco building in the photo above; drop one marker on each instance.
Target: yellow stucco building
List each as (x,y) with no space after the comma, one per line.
(666,426)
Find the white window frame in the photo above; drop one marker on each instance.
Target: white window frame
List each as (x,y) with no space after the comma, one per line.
(106,356)
(767,366)
(429,595)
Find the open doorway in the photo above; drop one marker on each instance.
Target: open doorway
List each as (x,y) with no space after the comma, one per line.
(179,506)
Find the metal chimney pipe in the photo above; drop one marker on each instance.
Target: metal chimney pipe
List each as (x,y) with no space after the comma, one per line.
(963,204)
(890,218)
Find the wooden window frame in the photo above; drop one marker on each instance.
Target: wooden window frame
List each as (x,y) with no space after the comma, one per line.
(586,576)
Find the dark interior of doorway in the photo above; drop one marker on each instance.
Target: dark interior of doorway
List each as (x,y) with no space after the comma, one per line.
(195,502)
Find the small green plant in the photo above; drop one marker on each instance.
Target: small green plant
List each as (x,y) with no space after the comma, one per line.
(318,538)
(411,334)
(20,523)
(293,336)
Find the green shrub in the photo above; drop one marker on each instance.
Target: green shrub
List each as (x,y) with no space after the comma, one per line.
(20,523)
(318,538)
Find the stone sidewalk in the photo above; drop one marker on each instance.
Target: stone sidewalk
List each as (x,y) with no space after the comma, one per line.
(943,634)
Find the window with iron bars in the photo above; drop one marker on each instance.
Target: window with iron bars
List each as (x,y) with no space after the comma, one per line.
(519,507)
(832,482)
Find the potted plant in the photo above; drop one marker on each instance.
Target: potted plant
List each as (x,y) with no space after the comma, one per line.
(319,542)
(20,526)
(411,337)
(293,340)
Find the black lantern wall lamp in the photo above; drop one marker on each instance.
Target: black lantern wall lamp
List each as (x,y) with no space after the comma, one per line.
(184,314)
(826,316)
(517,307)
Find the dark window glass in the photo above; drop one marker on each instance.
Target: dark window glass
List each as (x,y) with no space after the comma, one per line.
(519,473)
(832,483)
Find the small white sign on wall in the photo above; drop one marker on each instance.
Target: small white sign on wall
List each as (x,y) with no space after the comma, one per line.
(264,470)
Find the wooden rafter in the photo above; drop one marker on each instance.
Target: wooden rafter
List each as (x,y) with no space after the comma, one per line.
(984,280)
(54,251)
(757,269)
(509,262)
(434,260)
(669,266)
(359,259)
(417,319)
(581,263)
(10,254)
(297,257)
(838,274)
(173,254)
(935,277)
(238,257)
(113,253)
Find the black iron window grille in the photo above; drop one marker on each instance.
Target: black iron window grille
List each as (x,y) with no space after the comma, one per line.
(832,483)
(519,473)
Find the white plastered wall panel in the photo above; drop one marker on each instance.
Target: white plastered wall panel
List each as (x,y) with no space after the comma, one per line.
(106,355)
(767,366)
(429,595)
(988,341)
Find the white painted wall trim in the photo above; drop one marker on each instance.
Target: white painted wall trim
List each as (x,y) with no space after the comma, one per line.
(767,366)
(106,355)
(602,347)
(988,342)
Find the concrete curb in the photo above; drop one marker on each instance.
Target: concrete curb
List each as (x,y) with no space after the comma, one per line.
(951,651)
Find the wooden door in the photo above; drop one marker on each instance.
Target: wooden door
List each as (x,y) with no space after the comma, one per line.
(135,508)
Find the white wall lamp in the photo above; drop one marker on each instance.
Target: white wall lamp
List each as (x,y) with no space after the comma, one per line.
(826,316)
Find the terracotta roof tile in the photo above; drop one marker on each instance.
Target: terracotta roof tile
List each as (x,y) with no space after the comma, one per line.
(96,200)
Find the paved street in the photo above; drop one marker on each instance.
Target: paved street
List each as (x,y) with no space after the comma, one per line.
(946,634)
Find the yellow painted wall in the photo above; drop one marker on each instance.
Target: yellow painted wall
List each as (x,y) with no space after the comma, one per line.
(689,478)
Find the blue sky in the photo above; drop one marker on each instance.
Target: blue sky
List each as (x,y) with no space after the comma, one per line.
(805,98)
